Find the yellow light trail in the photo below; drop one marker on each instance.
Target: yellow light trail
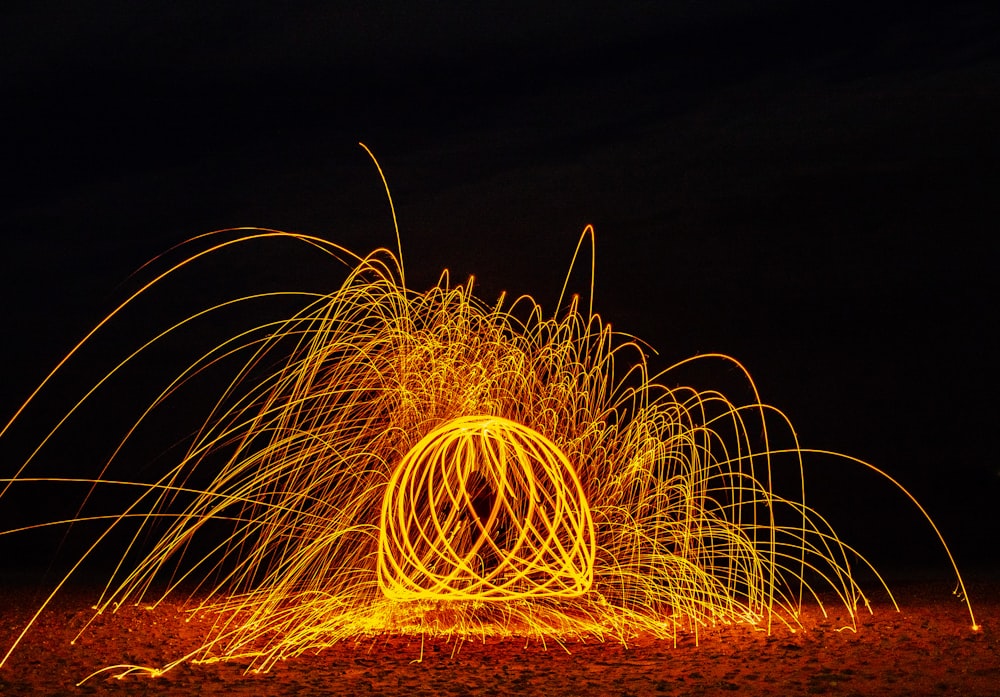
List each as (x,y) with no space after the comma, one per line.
(484,508)
(393,461)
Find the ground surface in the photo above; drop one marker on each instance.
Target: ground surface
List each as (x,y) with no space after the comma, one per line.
(927,649)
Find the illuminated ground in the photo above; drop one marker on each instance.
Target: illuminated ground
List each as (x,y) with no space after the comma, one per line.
(927,649)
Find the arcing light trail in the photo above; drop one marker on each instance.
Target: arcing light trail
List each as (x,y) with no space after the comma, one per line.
(393,461)
(484,508)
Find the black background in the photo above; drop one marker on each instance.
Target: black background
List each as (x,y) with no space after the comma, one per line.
(811,188)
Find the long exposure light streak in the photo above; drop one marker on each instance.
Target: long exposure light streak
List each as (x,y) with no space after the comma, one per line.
(384,460)
(485,508)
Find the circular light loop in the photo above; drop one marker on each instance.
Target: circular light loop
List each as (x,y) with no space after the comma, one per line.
(484,508)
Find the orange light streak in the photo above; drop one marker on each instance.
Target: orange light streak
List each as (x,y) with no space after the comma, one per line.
(484,508)
(386,460)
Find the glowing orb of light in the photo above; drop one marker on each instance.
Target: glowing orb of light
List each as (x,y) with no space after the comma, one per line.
(484,508)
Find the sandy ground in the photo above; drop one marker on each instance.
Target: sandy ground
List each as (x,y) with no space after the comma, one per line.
(927,649)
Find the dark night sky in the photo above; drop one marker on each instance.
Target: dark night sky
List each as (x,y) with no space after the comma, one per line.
(810,187)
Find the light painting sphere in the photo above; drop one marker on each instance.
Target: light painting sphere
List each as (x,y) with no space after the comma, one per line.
(484,508)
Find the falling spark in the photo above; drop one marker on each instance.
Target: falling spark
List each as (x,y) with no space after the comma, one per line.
(391,461)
